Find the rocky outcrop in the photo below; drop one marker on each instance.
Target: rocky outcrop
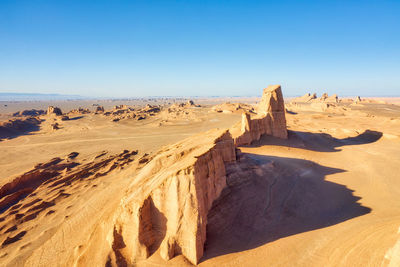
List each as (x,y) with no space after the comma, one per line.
(124,112)
(329,99)
(99,109)
(305,98)
(233,108)
(270,119)
(166,206)
(80,111)
(54,111)
(312,98)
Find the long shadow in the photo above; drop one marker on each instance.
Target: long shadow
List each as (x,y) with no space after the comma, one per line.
(268,198)
(18,127)
(320,142)
(76,118)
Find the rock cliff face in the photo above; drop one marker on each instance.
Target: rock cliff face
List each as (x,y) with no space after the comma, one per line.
(270,119)
(166,206)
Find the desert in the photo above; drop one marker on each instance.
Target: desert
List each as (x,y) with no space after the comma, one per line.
(277,181)
(234,133)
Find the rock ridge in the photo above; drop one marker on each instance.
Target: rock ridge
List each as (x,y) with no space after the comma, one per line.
(168,211)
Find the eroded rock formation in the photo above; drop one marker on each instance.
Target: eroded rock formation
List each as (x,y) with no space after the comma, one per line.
(305,98)
(166,206)
(54,110)
(233,108)
(270,119)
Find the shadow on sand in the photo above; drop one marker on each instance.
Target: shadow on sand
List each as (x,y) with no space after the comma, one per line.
(274,198)
(269,197)
(19,127)
(320,142)
(76,118)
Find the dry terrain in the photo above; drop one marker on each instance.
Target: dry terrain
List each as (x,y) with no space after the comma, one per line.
(169,182)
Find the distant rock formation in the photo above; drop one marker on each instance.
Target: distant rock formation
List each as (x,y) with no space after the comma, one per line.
(99,109)
(233,108)
(305,98)
(312,98)
(54,110)
(332,99)
(120,107)
(124,112)
(271,118)
(323,97)
(166,206)
(80,110)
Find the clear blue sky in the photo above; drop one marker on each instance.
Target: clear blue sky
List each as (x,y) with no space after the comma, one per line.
(140,48)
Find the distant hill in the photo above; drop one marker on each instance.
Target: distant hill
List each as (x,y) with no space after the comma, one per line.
(36,97)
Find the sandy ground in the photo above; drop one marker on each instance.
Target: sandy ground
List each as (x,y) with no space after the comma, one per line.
(327,196)
(91,134)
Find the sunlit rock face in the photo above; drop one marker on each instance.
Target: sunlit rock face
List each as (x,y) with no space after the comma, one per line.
(270,118)
(166,206)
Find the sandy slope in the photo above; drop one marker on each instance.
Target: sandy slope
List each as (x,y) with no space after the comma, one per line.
(327,196)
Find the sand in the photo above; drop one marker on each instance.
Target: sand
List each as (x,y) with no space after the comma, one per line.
(326,196)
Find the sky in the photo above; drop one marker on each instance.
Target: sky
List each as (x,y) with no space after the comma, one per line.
(200,48)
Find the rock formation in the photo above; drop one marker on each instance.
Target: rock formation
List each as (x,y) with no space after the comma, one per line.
(233,108)
(54,110)
(324,97)
(120,107)
(99,109)
(166,205)
(124,112)
(80,110)
(305,98)
(270,119)
(332,99)
(312,98)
